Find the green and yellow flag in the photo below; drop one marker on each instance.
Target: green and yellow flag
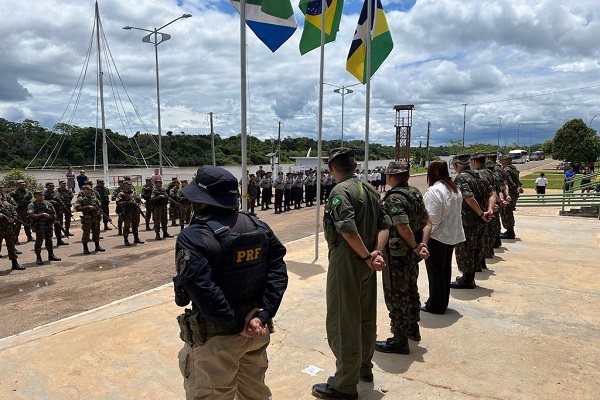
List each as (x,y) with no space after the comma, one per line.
(311,35)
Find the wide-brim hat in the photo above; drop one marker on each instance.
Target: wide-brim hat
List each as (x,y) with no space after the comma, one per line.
(214,186)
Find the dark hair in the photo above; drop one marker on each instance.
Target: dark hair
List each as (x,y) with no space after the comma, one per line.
(438,171)
(542,174)
(343,164)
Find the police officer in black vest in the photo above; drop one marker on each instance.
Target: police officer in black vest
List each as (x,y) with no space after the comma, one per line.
(230,266)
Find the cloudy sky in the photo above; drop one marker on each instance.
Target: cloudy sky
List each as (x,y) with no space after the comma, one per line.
(524,67)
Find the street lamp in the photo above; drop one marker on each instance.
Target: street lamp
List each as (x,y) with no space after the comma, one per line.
(464,124)
(343,90)
(153,38)
(518,131)
(499,126)
(592,120)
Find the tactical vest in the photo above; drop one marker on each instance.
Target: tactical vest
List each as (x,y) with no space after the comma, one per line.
(397,246)
(240,268)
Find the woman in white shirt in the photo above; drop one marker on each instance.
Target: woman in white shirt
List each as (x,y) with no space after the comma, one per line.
(443,201)
(540,184)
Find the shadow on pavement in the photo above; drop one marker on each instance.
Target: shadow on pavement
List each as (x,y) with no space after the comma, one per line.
(399,363)
(305,270)
(471,294)
(437,321)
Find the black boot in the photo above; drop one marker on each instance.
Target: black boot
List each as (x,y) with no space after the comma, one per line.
(120,231)
(509,234)
(498,242)
(167,235)
(136,239)
(38,259)
(126,241)
(52,257)
(467,281)
(413,332)
(61,242)
(85,249)
(148,227)
(30,238)
(397,344)
(107,228)
(157,236)
(18,252)
(17,266)
(98,248)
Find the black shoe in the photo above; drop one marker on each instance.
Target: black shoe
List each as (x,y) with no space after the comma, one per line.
(86,250)
(138,241)
(394,344)
(98,248)
(167,235)
(120,231)
(509,234)
(478,269)
(61,243)
(52,257)
(39,261)
(324,391)
(30,239)
(148,228)
(462,283)
(158,237)
(424,309)
(484,265)
(69,234)
(17,242)
(277,212)
(107,228)
(126,242)
(367,378)
(16,266)
(413,332)
(18,252)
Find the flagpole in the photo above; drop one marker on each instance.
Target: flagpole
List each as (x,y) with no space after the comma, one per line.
(368,89)
(243,105)
(320,130)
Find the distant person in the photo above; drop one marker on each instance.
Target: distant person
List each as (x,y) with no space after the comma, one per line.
(156,176)
(70,179)
(81,179)
(540,184)
(569,175)
(587,180)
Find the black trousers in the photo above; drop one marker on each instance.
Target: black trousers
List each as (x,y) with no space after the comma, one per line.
(278,199)
(439,273)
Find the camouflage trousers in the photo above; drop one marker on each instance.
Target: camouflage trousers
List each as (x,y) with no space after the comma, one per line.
(401,292)
(493,232)
(22,213)
(160,218)
(57,231)
(185,213)
(507,213)
(467,252)
(9,237)
(90,223)
(149,212)
(43,232)
(131,222)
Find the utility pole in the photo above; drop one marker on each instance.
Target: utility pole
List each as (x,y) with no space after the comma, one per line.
(464,124)
(212,139)
(518,131)
(427,149)
(279,146)
(499,125)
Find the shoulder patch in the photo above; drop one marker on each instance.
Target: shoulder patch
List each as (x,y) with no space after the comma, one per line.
(181,260)
(336,201)
(394,210)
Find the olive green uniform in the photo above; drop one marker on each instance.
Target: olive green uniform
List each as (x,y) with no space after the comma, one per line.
(160,210)
(66,197)
(7,229)
(514,183)
(22,197)
(351,284)
(41,225)
(486,242)
(146,195)
(185,209)
(130,212)
(90,219)
(104,198)
(404,204)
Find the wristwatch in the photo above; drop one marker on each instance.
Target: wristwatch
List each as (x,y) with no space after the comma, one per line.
(367,257)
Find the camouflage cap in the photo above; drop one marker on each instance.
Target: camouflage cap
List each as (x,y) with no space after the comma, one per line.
(461,159)
(62,181)
(85,187)
(148,179)
(49,184)
(173,178)
(492,155)
(99,180)
(37,191)
(478,157)
(340,152)
(505,157)
(184,181)
(20,182)
(397,167)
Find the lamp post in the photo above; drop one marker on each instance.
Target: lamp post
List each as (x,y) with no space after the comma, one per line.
(530,142)
(153,38)
(592,120)
(499,125)
(464,124)
(518,132)
(343,90)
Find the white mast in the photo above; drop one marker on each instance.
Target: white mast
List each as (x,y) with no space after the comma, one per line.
(101,81)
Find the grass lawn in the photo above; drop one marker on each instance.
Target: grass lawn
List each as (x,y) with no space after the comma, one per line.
(555,180)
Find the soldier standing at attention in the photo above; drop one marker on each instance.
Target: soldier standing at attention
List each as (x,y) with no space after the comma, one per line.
(407,246)
(514,189)
(89,206)
(159,202)
(42,216)
(265,196)
(55,199)
(118,209)
(104,197)
(66,197)
(478,166)
(230,266)
(146,195)
(130,203)
(185,207)
(287,191)
(356,229)
(475,214)
(7,231)
(298,185)
(328,184)
(501,195)
(279,185)
(171,205)
(310,188)
(22,197)
(252,192)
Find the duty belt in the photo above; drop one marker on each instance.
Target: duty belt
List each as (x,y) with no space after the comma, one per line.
(195,330)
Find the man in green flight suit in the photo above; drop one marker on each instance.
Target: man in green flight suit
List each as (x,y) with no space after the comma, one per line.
(407,246)
(356,229)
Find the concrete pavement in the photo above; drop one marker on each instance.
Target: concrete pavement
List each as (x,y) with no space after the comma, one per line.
(529,331)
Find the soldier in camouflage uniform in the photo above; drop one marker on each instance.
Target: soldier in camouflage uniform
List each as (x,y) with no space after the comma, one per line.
(22,197)
(66,197)
(478,166)
(501,195)
(475,215)
(514,189)
(42,216)
(54,198)
(160,200)
(104,198)
(146,195)
(407,246)
(89,206)
(7,229)
(185,207)
(118,209)
(129,201)
(172,204)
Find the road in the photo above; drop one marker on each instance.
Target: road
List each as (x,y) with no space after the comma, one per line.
(55,290)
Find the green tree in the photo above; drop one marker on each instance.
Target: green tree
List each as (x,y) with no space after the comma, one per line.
(575,141)
(548,147)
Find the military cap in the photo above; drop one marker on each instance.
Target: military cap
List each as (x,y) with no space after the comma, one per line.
(505,157)
(340,152)
(20,182)
(37,191)
(494,155)
(126,178)
(158,180)
(99,180)
(148,179)
(86,187)
(397,167)
(49,183)
(280,173)
(88,183)
(121,180)
(184,181)
(213,186)
(289,173)
(60,182)
(173,179)
(478,156)
(461,159)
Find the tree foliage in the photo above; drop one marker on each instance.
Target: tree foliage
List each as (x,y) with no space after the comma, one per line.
(575,141)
